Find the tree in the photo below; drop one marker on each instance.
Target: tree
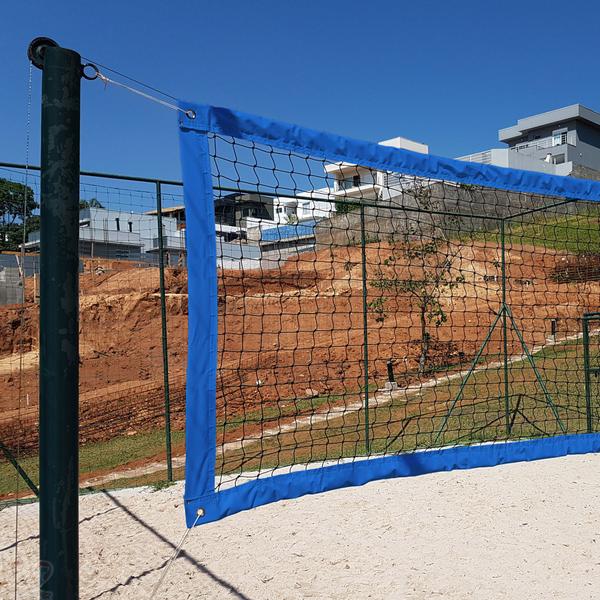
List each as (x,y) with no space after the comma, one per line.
(429,269)
(423,270)
(343,208)
(17,203)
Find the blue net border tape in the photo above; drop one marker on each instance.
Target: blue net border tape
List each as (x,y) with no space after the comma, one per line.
(369,154)
(265,490)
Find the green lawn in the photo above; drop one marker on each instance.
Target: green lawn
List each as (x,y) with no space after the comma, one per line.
(573,233)
(480,415)
(122,450)
(98,457)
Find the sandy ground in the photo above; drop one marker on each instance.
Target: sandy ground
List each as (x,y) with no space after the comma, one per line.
(528,530)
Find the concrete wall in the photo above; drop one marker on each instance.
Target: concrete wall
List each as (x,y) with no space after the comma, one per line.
(585,173)
(587,152)
(31,263)
(232,255)
(468,211)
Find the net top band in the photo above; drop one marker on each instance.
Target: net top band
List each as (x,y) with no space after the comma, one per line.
(334,147)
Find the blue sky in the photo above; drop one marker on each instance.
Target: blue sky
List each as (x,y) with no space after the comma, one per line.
(447,73)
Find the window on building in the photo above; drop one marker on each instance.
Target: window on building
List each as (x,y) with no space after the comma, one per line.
(350,182)
(280,209)
(117,222)
(130,226)
(559,138)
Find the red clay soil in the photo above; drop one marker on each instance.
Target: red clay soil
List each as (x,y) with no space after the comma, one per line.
(290,333)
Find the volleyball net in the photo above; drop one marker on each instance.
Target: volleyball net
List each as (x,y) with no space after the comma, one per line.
(359,311)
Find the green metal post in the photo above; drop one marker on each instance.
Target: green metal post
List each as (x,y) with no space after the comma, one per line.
(363,243)
(505,329)
(587,374)
(536,372)
(59,326)
(470,372)
(163,319)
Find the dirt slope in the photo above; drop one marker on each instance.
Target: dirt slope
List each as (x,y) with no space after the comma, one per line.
(289,333)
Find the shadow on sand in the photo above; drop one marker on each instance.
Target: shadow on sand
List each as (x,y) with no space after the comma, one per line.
(234,592)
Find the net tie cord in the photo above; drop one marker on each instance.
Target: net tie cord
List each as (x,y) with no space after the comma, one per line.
(97,74)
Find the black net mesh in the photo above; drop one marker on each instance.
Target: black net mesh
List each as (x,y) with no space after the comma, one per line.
(364,312)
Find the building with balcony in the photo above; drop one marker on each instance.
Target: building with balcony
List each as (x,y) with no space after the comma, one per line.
(565,141)
(122,235)
(354,181)
(241,209)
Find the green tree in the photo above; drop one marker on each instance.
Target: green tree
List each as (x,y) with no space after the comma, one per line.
(17,203)
(343,208)
(428,274)
(423,270)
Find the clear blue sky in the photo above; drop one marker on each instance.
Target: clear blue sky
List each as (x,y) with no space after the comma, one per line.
(448,73)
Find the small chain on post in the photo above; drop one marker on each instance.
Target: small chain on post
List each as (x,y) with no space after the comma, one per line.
(22,317)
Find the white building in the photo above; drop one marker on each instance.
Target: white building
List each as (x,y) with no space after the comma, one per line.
(122,235)
(314,204)
(355,181)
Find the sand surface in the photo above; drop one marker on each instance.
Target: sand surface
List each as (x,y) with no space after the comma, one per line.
(528,530)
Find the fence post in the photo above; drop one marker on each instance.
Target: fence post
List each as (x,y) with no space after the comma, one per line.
(363,243)
(505,329)
(587,374)
(163,321)
(59,320)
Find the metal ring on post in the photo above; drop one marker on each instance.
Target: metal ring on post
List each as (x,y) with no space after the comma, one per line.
(95,71)
(190,114)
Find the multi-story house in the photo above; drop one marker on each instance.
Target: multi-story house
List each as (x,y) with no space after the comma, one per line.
(122,235)
(355,181)
(565,141)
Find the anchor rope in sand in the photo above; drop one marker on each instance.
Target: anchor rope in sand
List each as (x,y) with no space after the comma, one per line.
(178,549)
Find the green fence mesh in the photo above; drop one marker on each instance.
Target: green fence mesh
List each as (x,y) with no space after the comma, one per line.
(122,359)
